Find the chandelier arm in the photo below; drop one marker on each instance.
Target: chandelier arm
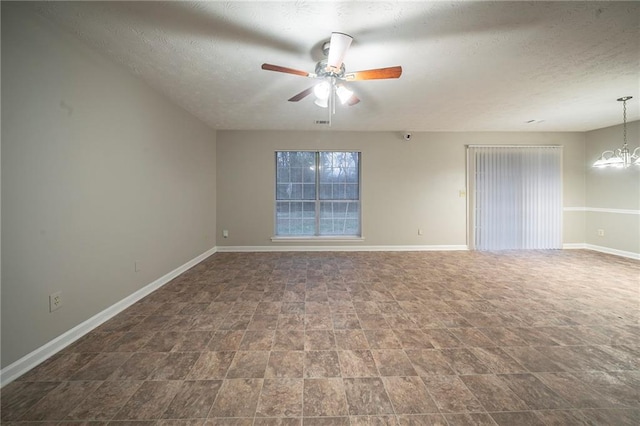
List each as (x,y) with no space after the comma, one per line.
(610,152)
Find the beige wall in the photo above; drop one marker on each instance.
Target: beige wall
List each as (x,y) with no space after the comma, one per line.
(405,185)
(612,189)
(98,171)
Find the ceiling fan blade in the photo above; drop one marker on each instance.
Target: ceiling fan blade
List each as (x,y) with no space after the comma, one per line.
(302,95)
(375,74)
(338,47)
(278,68)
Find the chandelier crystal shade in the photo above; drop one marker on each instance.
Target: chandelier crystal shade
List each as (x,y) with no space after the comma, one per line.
(620,158)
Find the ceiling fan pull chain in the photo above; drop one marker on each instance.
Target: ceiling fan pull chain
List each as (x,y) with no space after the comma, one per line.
(332,106)
(333,94)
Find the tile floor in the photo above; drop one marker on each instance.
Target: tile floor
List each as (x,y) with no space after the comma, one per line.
(431,338)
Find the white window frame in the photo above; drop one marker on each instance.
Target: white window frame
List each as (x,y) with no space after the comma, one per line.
(317,201)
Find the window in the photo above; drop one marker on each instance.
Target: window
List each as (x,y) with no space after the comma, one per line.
(317,193)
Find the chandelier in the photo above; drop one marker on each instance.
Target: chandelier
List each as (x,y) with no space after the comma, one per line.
(621,158)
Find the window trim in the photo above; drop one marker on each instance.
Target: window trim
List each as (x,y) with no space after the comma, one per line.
(317,238)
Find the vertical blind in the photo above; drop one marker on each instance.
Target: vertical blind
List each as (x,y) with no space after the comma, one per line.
(517,197)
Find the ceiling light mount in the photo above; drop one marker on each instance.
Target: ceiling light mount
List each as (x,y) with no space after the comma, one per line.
(620,158)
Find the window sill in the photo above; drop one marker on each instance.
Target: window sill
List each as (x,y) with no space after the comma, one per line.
(316,239)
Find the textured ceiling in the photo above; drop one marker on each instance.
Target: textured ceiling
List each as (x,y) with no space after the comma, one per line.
(467,66)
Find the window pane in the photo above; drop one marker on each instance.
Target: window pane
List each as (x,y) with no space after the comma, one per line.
(282,175)
(352,192)
(339,191)
(326,192)
(339,218)
(295,218)
(296,191)
(283,191)
(296,174)
(293,169)
(309,191)
(288,159)
(291,166)
(338,169)
(310,174)
(309,226)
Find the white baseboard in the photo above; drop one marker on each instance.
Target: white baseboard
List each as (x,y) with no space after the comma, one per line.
(607,250)
(601,210)
(235,249)
(279,248)
(628,254)
(29,361)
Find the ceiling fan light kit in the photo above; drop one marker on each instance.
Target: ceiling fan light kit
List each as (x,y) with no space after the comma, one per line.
(322,90)
(322,103)
(620,158)
(332,72)
(343,93)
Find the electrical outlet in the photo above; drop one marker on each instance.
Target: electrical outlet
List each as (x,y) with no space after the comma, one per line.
(55,301)
(600,232)
(225,233)
(419,231)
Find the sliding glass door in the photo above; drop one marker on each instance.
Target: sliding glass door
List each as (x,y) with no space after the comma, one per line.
(515,197)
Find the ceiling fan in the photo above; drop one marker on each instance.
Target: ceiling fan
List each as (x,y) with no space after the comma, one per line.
(331,71)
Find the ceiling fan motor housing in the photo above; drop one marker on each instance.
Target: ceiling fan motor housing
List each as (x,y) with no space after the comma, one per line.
(323,70)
